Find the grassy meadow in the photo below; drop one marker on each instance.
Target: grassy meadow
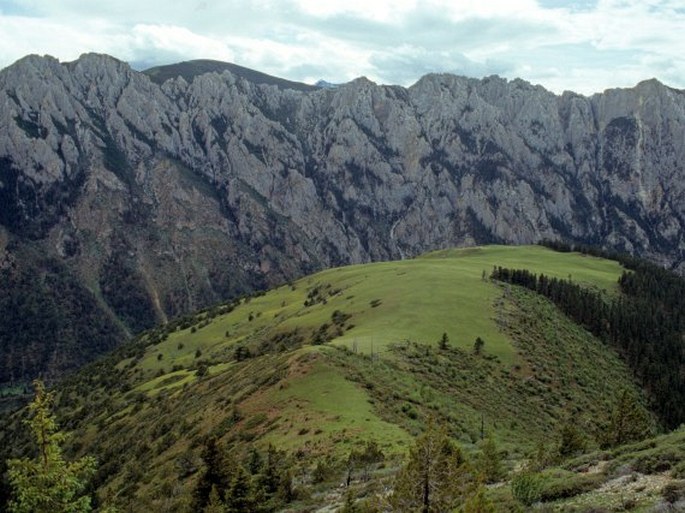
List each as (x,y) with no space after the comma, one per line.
(324,364)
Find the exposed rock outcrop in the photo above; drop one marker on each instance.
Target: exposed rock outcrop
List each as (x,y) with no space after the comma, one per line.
(155,199)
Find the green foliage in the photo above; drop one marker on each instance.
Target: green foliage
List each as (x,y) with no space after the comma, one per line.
(645,324)
(214,474)
(443,342)
(478,502)
(571,440)
(350,505)
(363,460)
(215,504)
(48,483)
(46,315)
(526,487)
(490,461)
(238,494)
(119,411)
(435,477)
(628,422)
(563,485)
(478,345)
(123,287)
(234,485)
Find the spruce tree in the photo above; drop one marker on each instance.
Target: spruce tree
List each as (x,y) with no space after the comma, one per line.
(214,475)
(490,461)
(434,478)
(238,495)
(215,504)
(571,440)
(628,423)
(478,502)
(48,483)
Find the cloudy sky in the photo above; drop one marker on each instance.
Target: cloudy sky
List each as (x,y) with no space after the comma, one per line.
(581,45)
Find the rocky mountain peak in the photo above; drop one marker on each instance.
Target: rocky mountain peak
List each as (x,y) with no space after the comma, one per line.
(203,180)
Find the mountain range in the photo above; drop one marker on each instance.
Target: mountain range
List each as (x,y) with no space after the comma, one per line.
(128,198)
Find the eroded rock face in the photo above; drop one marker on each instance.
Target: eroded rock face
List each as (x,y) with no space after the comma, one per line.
(182,193)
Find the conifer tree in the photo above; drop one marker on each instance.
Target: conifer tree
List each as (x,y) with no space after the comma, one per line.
(434,478)
(490,461)
(214,475)
(350,506)
(478,345)
(48,483)
(478,502)
(238,495)
(571,440)
(254,461)
(628,422)
(215,505)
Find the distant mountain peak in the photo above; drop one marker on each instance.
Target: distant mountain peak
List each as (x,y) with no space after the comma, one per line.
(188,70)
(195,191)
(323,84)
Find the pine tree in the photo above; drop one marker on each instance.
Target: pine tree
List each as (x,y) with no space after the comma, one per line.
(478,345)
(254,461)
(434,478)
(571,440)
(48,483)
(215,505)
(350,505)
(214,475)
(478,502)
(490,461)
(442,345)
(238,495)
(628,423)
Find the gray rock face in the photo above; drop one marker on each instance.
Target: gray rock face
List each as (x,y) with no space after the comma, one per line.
(183,193)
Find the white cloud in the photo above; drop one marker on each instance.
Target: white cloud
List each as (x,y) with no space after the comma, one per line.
(173,40)
(385,11)
(585,45)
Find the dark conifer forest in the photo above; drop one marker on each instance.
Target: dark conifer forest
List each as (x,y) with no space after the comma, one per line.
(645,324)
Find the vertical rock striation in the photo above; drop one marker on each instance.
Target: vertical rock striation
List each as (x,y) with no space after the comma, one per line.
(151,195)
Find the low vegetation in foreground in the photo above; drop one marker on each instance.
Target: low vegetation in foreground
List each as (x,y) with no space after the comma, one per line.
(421,385)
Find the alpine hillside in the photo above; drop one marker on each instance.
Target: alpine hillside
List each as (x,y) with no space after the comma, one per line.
(315,392)
(129,198)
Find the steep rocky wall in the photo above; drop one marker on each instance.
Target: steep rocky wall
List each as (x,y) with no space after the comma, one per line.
(173,196)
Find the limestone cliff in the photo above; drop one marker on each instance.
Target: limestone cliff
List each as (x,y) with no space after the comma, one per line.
(145,196)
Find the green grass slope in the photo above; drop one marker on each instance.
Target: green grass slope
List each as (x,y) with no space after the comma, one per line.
(322,365)
(418,300)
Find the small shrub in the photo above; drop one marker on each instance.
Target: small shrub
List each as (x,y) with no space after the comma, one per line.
(526,488)
(678,471)
(256,420)
(202,369)
(657,461)
(478,345)
(673,492)
(569,486)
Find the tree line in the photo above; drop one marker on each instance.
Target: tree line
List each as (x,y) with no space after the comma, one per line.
(644,325)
